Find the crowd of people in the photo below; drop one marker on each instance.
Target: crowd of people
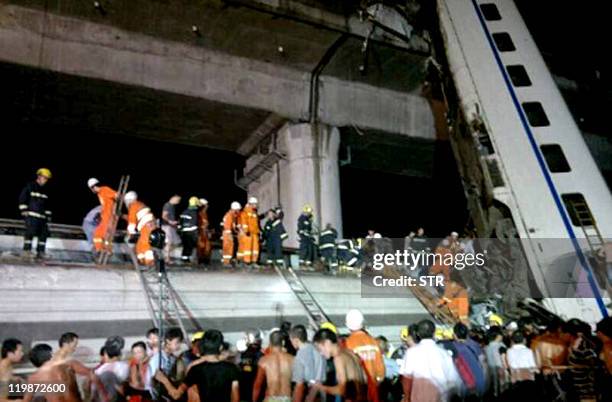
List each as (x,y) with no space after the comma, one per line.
(563,362)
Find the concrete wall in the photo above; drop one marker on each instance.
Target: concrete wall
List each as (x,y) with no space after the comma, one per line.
(308,175)
(39,303)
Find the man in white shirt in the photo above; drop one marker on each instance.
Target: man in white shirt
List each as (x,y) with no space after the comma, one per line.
(428,372)
(521,360)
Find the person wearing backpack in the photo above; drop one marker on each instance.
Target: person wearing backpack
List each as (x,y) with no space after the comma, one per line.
(469,360)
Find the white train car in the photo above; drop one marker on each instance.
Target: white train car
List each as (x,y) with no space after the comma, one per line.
(546,168)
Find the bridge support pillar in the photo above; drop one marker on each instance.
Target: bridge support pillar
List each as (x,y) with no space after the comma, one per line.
(306,171)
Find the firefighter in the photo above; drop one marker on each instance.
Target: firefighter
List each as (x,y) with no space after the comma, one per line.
(306,236)
(230,231)
(140,220)
(204,247)
(327,247)
(274,234)
(348,254)
(107,197)
(34,207)
(456,297)
(188,228)
(248,235)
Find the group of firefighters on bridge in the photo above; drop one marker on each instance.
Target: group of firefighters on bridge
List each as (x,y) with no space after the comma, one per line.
(240,237)
(241,228)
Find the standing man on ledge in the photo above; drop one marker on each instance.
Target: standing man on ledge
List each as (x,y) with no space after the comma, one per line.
(34,207)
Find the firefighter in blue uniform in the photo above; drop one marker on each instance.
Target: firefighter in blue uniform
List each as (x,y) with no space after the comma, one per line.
(327,247)
(188,228)
(306,236)
(348,254)
(274,234)
(34,207)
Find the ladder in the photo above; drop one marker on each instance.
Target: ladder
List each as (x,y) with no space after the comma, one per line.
(585,218)
(316,314)
(162,299)
(112,226)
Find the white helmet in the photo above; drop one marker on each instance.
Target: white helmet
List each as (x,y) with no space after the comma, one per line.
(454,234)
(130,197)
(354,320)
(377,236)
(203,201)
(236,206)
(92,182)
(252,200)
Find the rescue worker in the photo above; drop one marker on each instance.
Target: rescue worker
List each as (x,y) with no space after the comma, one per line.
(366,347)
(140,220)
(107,197)
(274,234)
(348,254)
(327,247)
(204,246)
(188,228)
(34,207)
(248,235)
(169,225)
(306,236)
(456,297)
(230,231)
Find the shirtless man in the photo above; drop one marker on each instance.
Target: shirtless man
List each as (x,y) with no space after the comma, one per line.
(12,353)
(352,380)
(275,370)
(53,373)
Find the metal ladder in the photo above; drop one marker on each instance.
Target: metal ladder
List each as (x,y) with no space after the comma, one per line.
(112,226)
(163,300)
(585,218)
(316,314)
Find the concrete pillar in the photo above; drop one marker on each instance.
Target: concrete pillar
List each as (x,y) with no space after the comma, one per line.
(309,174)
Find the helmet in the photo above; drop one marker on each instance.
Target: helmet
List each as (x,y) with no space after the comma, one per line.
(241,345)
(377,236)
(307,208)
(236,206)
(130,197)
(197,336)
(454,234)
(92,182)
(354,320)
(203,201)
(252,200)
(330,326)
(404,333)
(157,238)
(194,202)
(495,319)
(44,172)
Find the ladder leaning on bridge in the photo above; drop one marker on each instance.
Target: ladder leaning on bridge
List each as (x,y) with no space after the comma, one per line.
(316,314)
(165,306)
(109,236)
(586,221)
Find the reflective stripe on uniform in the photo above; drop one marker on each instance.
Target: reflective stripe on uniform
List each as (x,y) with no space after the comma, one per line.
(327,232)
(284,236)
(326,245)
(36,214)
(142,212)
(39,195)
(189,229)
(23,206)
(144,220)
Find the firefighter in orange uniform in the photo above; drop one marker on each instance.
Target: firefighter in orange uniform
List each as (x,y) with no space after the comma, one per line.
(456,297)
(140,219)
(204,246)
(366,347)
(107,197)
(248,237)
(230,230)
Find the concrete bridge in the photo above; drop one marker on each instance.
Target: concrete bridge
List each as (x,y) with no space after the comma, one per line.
(231,75)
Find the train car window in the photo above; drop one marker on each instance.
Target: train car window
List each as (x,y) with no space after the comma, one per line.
(503,41)
(555,158)
(490,12)
(535,114)
(519,76)
(578,209)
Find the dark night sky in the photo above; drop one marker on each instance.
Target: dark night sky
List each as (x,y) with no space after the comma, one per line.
(570,38)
